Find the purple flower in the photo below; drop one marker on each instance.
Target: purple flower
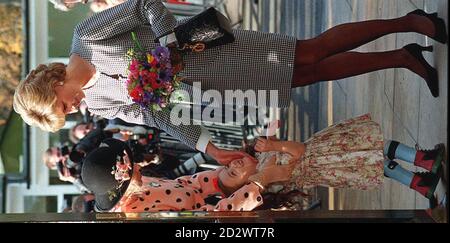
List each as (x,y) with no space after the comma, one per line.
(146,66)
(157,100)
(164,76)
(148,96)
(162,54)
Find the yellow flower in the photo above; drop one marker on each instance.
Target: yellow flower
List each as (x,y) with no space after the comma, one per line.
(150,58)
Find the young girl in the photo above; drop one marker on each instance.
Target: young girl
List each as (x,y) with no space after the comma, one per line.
(352,154)
(119,187)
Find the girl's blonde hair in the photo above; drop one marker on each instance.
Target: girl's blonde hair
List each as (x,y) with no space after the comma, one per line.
(35,97)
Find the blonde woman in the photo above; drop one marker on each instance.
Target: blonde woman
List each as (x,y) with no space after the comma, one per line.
(96,71)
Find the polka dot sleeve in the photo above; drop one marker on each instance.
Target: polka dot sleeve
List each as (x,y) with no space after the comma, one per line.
(203,182)
(245,199)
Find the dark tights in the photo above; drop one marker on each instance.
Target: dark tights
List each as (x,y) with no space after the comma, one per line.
(327,56)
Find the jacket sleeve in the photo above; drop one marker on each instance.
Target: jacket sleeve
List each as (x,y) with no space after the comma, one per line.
(246,198)
(93,139)
(125,17)
(194,136)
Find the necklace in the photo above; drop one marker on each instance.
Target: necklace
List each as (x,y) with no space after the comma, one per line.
(114,76)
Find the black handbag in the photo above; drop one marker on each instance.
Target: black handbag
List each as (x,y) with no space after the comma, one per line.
(206,30)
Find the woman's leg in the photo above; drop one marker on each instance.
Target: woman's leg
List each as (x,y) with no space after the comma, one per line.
(350,64)
(430,160)
(349,36)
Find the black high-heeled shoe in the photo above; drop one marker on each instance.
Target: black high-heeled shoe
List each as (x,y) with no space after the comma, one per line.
(439,24)
(432,80)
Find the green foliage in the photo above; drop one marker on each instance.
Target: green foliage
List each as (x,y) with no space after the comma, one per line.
(10,55)
(11,144)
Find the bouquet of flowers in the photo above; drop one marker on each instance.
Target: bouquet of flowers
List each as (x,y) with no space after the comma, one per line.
(152,76)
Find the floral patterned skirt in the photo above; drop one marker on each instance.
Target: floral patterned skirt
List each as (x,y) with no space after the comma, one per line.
(346,155)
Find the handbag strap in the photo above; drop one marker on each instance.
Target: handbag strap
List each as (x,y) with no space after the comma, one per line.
(197,47)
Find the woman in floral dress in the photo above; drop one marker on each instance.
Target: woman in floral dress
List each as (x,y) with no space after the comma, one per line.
(352,154)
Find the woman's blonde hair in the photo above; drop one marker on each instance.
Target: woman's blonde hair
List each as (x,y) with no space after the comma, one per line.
(35,97)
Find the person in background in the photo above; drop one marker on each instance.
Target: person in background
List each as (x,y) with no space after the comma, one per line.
(79,131)
(95,5)
(88,143)
(101,5)
(83,203)
(56,158)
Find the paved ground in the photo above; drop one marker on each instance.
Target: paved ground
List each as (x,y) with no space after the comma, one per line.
(397,99)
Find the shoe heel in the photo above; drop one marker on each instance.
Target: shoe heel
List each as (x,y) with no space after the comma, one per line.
(432,80)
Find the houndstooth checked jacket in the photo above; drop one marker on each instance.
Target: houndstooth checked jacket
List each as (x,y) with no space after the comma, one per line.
(258,61)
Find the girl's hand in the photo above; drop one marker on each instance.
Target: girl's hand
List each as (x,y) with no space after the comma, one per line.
(271,173)
(264,145)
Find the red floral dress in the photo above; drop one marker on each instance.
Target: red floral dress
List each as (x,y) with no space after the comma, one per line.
(346,155)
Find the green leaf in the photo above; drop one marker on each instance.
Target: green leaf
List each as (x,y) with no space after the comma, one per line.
(136,42)
(156,107)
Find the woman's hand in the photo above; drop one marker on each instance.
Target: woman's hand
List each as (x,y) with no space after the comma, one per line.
(265,145)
